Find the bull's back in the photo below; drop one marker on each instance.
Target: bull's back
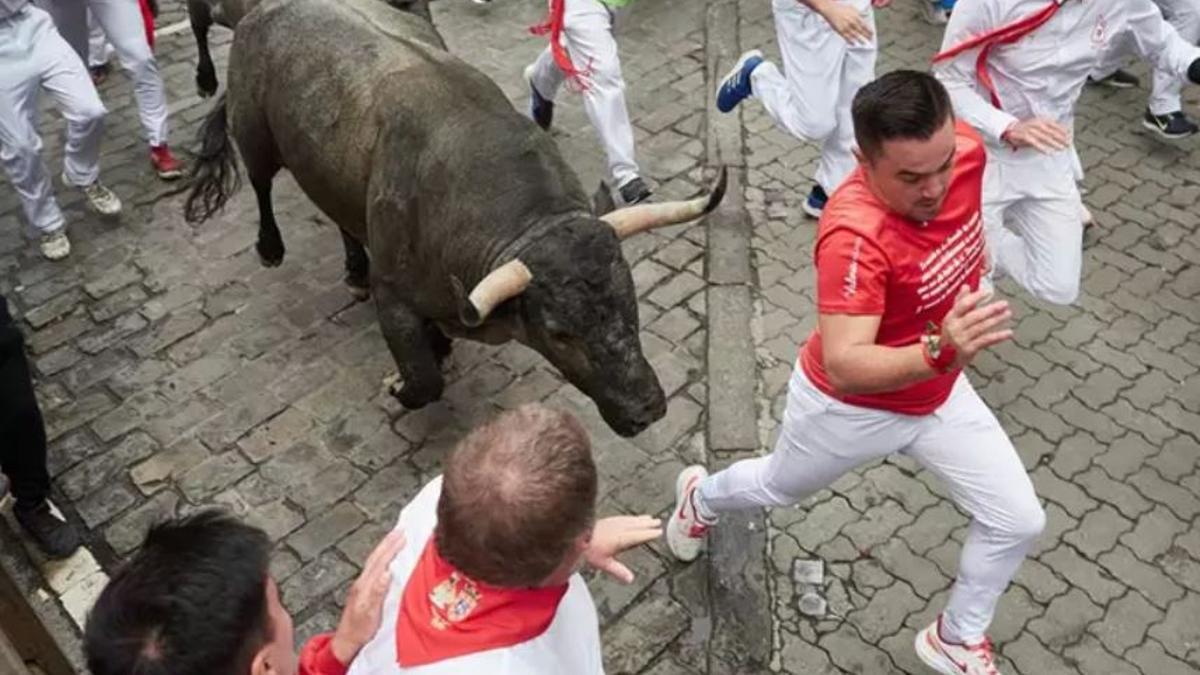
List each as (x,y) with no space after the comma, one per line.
(328,79)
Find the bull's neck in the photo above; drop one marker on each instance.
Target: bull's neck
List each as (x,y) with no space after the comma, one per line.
(537,227)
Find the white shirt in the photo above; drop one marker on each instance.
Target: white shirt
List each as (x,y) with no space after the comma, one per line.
(570,646)
(1042,74)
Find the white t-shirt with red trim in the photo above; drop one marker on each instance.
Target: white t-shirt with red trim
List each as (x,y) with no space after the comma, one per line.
(569,644)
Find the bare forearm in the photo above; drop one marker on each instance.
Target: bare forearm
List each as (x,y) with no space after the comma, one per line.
(818,6)
(873,369)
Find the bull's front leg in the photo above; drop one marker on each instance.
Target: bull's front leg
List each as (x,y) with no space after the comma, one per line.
(410,339)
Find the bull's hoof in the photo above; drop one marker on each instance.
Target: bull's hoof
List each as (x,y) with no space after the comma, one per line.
(271,254)
(359,291)
(206,83)
(413,398)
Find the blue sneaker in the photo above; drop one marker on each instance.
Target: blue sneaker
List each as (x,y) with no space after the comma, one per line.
(541,109)
(735,88)
(815,204)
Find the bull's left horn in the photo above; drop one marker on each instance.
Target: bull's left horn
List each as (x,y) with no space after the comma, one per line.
(506,281)
(634,219)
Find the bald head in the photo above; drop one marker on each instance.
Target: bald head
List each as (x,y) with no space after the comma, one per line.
(516,495)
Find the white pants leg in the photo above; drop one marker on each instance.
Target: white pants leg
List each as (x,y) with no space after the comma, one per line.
(1184,16)
(1115,56)
(1035,237)
(961,442)
(964,445)
(99,51)
(33,55)
(122,23)
(821,74)
(588,35)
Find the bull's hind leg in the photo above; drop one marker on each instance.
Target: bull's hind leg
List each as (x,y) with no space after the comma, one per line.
(258,151)
(200,16)
(358,267)
(410,338)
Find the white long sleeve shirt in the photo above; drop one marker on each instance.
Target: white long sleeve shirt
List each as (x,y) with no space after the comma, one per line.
(1042,74)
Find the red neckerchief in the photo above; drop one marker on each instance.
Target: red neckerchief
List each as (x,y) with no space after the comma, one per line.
(1004,35)
(444,614)
(553,25)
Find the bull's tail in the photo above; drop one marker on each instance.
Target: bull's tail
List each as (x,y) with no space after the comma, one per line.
(215,176)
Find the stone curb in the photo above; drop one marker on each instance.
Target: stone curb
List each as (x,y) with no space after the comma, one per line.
(739,605)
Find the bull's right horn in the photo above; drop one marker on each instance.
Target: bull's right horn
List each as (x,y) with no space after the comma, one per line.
(506,281)
(634,219)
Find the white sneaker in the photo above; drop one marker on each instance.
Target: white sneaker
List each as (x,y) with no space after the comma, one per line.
(686,531)
(55,245)
(934,13)
(99,198)
(954,659)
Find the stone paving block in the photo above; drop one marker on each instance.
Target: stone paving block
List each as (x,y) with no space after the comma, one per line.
(1029,656)
(315,580)
(1151,658)
(101,470)
(325,530)
(642,632)
(1179,633)
(1125,623)
(1042,583)
(1065,620)
(128,531)
(1084,574)
(213,475)
(849,652)
(1098,531)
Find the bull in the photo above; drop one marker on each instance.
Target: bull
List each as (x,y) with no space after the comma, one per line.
(476,226)
(203,14)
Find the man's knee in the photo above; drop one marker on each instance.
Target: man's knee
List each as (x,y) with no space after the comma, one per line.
(1025,523)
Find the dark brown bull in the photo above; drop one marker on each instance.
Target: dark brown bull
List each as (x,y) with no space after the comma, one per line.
(475,224)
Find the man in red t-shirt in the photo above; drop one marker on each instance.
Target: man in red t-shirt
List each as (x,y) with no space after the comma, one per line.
(899,253)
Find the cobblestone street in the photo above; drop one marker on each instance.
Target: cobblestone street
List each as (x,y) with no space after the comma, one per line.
(175,372)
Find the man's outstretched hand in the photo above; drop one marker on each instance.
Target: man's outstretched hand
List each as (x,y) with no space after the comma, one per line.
(364,604)
(614,535)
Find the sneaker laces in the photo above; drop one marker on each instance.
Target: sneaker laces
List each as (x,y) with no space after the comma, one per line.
(983,650)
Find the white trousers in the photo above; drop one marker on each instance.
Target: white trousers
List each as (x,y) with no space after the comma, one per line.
(588,36)
(961,442)
(99,51)
(821,74)
(33,56)
(1031,212)
(1166,88)
(121,21)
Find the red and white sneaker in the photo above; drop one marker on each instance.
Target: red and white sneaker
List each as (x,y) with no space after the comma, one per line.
(686,530)
(951,658)
(165,164)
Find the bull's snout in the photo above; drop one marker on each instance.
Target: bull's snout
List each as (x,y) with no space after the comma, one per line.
(630,412)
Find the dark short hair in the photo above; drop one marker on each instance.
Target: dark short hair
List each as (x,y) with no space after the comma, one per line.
(903,104)
(192,601)
(516,494)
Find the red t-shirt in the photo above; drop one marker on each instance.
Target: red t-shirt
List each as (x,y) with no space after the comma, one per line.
(316,658)
(871,261)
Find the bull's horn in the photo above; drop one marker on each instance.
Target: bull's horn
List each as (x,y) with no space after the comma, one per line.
(504,282)
(634,219)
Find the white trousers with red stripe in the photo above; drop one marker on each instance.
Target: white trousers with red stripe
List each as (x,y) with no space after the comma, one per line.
(821,74)
(962,442)
(121,21)
(1166,88)
(588,35)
